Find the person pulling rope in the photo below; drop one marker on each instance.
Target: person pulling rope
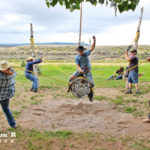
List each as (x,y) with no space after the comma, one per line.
(29,75)
(133,74)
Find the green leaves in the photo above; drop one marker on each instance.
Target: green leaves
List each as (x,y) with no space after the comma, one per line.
(127,5)
(119,5)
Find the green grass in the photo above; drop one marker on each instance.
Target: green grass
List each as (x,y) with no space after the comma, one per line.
(140,146)
(100,98)
(36,140)
(59,134)
(118,101)
(57,79)
(16,113)
(130,109)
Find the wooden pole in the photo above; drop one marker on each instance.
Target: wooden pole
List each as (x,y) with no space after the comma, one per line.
(31,37)
(35,69)
(139,27)
(80,29)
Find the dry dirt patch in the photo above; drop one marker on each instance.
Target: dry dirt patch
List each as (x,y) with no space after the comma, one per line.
(81,116)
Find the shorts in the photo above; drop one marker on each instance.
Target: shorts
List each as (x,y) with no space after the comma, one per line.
(133,77)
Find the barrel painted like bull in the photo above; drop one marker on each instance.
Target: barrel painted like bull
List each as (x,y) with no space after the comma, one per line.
(80,87)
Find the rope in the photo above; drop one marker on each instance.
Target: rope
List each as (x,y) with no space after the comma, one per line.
(33,44)
(137,36)
(66,83)
(67,74)
(48,77)
(121,74)
(32,41)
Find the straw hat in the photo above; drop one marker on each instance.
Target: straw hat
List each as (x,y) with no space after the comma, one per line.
(4,65)
(29,58)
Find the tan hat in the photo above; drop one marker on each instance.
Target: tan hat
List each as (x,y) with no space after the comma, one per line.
(4,65)
(29,58)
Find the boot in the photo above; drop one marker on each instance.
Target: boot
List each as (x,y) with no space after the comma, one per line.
(69,87)
(90,96)
(129,91)
(138,92)
(35,91)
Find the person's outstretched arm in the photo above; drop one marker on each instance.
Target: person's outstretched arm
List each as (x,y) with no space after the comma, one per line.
(94,43)
(37,61)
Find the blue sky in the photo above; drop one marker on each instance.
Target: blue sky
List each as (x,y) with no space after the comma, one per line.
(60,25)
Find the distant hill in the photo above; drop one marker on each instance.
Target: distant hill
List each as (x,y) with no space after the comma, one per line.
(59,51)
(52,43)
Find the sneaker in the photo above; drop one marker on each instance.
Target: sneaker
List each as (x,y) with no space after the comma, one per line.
(138,93)
(14,127)
(146,120)
(128,92)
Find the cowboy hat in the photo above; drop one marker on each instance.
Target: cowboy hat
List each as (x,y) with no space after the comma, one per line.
(134,51)
(30,58)
(80,48)
(4,65)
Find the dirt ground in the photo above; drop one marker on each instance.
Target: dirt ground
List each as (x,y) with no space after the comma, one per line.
(79,116)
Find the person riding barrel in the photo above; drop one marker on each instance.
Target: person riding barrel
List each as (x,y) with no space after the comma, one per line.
(84,67)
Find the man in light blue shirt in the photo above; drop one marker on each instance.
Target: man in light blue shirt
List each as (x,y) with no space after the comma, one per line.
(83,65)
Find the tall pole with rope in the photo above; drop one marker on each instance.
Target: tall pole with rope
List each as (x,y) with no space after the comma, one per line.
(35,69)
(80,28)
(138,29)
(31,40)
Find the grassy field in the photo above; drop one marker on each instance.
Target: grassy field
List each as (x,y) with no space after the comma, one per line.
(63,72)
(53,82)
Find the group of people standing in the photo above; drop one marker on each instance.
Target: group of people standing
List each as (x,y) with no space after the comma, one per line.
(7,77)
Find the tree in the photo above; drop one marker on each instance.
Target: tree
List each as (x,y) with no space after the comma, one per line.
(119,5)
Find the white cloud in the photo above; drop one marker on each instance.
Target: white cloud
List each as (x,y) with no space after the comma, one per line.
(59,25)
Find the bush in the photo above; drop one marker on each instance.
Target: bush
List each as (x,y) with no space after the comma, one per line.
(23,64)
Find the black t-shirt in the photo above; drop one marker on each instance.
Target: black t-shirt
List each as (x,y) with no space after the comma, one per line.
(134,62)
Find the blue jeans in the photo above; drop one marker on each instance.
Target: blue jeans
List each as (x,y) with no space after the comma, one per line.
(114,77)
(87,75)
(32,78)
(8,114)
